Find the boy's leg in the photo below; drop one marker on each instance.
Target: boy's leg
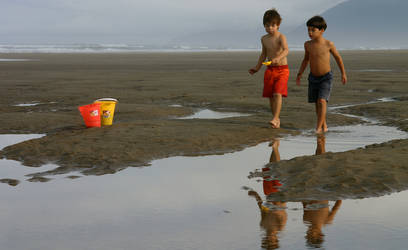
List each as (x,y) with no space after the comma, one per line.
(324,95)
(321,144)
(272,104)
(321,107)
(275,156)
(318,111)
(276,105)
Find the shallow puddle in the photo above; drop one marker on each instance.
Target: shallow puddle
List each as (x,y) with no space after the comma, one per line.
(380,100)
(210,114)
(27,104)
(31,104)
(10,169)
(7,140)
(14,60)
(374,70)
(199,203)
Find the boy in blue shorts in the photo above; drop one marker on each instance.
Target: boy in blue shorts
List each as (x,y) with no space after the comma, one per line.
(317,53)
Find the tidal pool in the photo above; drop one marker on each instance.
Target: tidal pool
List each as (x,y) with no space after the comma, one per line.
(210,114)
(195,203)
(14,60)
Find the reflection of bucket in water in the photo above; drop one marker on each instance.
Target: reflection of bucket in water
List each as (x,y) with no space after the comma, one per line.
(91,114)
(107,110)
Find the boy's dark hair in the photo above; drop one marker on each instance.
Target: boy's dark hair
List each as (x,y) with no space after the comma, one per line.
(317,22)
(272,16)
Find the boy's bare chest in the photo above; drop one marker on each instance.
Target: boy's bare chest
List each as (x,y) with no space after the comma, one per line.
(319,50)
(271,42)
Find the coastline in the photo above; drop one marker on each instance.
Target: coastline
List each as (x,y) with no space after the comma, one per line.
(112,48)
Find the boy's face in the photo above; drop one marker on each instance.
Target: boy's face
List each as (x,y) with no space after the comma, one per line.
(271,27)
(314,32)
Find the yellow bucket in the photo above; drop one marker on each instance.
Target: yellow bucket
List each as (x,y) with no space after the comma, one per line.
(107,110)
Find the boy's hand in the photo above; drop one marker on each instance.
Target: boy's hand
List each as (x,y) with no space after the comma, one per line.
(274,61)
(298,79)
(252,71)
(343,79)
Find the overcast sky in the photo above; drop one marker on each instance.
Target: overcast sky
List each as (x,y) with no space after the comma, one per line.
(140,21)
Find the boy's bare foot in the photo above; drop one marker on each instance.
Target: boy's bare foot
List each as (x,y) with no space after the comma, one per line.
(319,131)
(324,127)
(275,123)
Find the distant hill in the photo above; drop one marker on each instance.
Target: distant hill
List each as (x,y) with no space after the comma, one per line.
(363,24)
(221,39)
(351,24)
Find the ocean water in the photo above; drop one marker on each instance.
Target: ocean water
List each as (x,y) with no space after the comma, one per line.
(106,48)
(124,48)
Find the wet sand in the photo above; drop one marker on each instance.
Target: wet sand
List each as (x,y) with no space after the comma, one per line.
(375,170)
(145,128)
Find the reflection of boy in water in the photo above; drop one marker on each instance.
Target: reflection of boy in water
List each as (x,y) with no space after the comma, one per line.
(316,214)
(273,213)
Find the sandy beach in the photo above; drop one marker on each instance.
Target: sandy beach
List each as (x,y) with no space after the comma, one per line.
(149,85)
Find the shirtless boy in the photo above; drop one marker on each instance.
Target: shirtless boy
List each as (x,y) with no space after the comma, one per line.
(317,53)
(275,48)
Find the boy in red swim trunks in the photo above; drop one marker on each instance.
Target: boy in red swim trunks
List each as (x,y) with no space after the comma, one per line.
(275,48)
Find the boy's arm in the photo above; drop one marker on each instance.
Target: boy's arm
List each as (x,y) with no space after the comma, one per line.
(261,59)
(339,62)
(256,196)
(303,65)
(333,212)
(285,50)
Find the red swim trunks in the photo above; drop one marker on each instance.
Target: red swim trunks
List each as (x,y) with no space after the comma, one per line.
(276,81)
